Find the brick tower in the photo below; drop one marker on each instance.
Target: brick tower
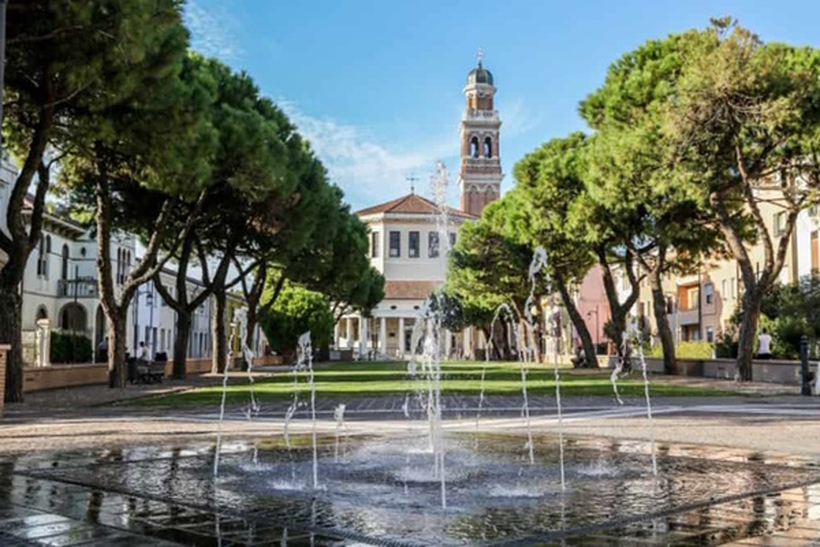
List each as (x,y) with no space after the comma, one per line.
(479,179)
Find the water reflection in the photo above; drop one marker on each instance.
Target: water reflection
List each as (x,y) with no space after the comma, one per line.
(381,488)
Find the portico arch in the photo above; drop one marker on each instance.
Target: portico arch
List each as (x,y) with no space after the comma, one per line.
(74,318)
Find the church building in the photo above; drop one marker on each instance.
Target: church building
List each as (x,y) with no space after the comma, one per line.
(405,232)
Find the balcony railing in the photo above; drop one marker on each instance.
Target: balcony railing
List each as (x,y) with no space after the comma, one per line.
(83,287)
(489,115)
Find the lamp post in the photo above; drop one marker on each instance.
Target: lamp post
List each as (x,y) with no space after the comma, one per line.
(149,298)
(597,327)
(674,313)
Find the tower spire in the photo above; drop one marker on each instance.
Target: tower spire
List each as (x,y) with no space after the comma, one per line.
(479,56)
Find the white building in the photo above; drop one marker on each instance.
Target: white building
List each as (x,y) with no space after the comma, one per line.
(60,290)
(404,235)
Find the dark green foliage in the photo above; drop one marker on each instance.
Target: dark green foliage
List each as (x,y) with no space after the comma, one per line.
(296,311)
(69,347)
(790,312)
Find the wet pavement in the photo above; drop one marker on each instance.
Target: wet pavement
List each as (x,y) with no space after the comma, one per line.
(165,495)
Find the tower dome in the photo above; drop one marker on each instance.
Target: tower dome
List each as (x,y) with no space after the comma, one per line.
(480,75)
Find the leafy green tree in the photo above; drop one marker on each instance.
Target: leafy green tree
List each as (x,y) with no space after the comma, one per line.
(297,310)
(66,61)
(629,171)
(489,267)
(744,126)
(548,182)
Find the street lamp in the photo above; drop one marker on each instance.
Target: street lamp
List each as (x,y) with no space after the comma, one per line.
(597,329)
(149,301)
(674,313)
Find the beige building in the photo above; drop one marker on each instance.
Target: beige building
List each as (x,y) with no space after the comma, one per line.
(700,305)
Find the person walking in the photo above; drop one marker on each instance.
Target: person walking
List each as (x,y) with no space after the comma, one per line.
(764,345)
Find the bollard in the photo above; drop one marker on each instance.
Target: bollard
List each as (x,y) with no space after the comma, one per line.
(805,380)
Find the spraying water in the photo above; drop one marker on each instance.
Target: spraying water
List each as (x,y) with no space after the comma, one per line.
(224,396)
(241,318)
(305,349)
(616,372)
(537,265)
(339,416)
(642,358)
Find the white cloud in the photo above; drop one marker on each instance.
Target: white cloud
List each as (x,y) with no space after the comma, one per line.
(516,118)
(212,30)
(370,172)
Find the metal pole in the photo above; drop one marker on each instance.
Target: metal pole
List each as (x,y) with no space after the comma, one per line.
(151,332)
(805,382)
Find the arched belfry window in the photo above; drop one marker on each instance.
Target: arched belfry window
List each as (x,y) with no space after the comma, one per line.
(474,147)
(488,147)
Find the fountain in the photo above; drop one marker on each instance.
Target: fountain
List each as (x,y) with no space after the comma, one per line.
(467,494)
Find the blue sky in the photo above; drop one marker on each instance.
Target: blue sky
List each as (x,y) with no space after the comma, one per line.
(376,84)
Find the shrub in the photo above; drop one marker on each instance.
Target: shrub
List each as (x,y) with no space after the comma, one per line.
(687,350)
(296,311)
(69,347)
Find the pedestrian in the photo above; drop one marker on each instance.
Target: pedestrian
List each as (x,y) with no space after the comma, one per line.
(143,354)
(102,351)
(764,345)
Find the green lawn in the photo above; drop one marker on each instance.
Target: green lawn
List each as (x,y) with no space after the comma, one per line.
(377,379)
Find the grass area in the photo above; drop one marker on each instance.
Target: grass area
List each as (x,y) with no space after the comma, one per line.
(351,380)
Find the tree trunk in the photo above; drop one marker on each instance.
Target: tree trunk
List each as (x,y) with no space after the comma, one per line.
(578,322)
(117,367)
(11,333)
(220,357)
(662,321)
(181,345)
(752,301)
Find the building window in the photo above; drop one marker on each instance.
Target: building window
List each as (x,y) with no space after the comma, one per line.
(395,244)
(710,334)
(779,223)
(432,245)
(41,258)
(374,244)
(66,258)
(670,305)
(692,298)
(488,147)
(734,288)
(815,254)
(709,293)
(413,249)
(452,239)
(474,147)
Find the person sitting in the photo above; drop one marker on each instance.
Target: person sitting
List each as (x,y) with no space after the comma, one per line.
(764,345)
(143,354)
(580,357)
(102,351)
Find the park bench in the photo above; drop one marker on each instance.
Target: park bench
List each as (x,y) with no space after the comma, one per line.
(145,372)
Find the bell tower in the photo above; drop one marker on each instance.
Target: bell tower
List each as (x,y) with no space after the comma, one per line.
(480,175)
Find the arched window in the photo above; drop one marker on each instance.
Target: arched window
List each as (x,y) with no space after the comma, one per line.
(64,272)
(42,313)
(488,147)
(474,147)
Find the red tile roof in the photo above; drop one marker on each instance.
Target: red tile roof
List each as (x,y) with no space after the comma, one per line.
(409,290)
(411,204)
